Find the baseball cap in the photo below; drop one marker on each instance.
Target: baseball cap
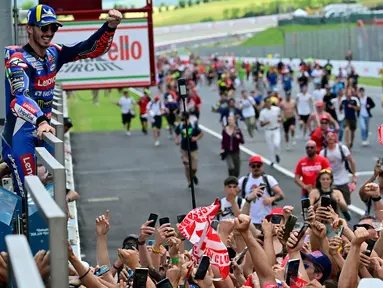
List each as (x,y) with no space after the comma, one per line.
(320,259)
(42,15)
(255,159)
(156,97)
(324,117)
(274,211)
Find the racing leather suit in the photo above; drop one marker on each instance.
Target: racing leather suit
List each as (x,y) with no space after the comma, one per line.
(30,81)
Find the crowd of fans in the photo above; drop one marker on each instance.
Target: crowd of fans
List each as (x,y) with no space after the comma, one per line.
(266,246)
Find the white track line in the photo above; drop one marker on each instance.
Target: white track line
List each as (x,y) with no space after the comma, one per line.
(103,199)
(281,169)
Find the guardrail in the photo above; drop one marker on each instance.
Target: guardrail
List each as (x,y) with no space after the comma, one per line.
(22,268)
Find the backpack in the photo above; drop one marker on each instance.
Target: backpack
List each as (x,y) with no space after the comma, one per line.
(344,159)
(265,180)
(239,202)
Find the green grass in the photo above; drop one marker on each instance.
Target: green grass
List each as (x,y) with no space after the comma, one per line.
(275,36)
(89,117)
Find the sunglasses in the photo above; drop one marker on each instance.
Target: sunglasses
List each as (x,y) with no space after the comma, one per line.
(256,166)
(324,122)
(365,226)
(316,269)
(326,171)
(52,27)
(310,147)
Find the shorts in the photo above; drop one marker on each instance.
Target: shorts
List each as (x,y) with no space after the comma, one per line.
(345,191)
(193,156)
(143,119)
(304,118)
(288,123)
(126,118)
(157,122)
(350,124)
(171,118)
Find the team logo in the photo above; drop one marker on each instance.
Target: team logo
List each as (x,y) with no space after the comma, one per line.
(28,164)
(53,67)
(16,62)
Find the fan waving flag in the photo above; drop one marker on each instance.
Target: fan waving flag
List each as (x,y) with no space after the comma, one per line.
(196,228)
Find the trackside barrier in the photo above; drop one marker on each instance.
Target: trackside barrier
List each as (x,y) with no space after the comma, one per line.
(57,106)
(56,219)
(58,172)
(59,131)
(22,269)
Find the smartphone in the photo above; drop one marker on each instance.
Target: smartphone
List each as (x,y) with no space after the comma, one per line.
(180,218)
(303,231)
(153,217)
(325,201)
(305,207)
(164,283)
(214,224)
(7,183)
(340,232)
(182,87)
(103,269)
(140,277)
(292,270)
(164,220)
(370,247)
(150,242)
(263,185)
(231,253)
(276,219)
(241,256)
(202,268)
(289,226)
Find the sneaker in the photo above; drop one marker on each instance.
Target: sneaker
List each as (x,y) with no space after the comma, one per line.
(195,179)
(190,185)
(128,133)
(157,143)
(288,147)
(294,143)
(277,158)
(170,137)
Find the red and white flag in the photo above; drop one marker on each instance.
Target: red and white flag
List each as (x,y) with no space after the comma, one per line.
(196,228)
(380,134)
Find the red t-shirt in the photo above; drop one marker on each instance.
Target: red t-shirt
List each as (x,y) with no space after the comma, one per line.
(317,136)
(143,102)
(310,168)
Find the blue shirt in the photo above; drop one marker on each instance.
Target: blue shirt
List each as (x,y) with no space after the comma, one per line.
(286,81)
(273,78)
(350,113)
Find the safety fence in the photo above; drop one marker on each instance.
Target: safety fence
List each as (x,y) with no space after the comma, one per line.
(52,210)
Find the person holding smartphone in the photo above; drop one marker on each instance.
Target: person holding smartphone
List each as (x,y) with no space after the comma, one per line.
(232,137)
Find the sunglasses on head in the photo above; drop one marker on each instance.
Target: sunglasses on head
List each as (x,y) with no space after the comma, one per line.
(52,27)
(365,226)
(256,165)
(325,171)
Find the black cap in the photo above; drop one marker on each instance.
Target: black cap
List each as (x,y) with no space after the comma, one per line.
(68,122)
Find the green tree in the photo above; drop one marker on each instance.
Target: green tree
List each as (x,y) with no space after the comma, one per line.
(27,5)
(160,9)
(205,1)
(235,13)
(181,3)
(120,6)
(167,8)
(226,13)
(197,2)
(190,3)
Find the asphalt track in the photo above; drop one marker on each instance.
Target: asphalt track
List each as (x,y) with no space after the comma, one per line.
(132,178)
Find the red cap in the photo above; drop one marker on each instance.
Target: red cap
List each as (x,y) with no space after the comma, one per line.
(274,211)
(156,97)
(319,104)
(255,159)
(324,117)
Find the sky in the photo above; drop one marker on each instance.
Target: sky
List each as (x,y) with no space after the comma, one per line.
(107,4)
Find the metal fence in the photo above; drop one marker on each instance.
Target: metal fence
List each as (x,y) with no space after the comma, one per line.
(365,43)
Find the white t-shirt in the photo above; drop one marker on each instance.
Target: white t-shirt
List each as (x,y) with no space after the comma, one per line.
(154,108)
(338,167)
(317,75)
(227,209)
(258,210)
(247,107)
(363,106)
(126,105)
(304,102)
(318,95)
(273,115)
(336,102)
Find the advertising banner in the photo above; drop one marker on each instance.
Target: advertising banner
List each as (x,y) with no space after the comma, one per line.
(126,64)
